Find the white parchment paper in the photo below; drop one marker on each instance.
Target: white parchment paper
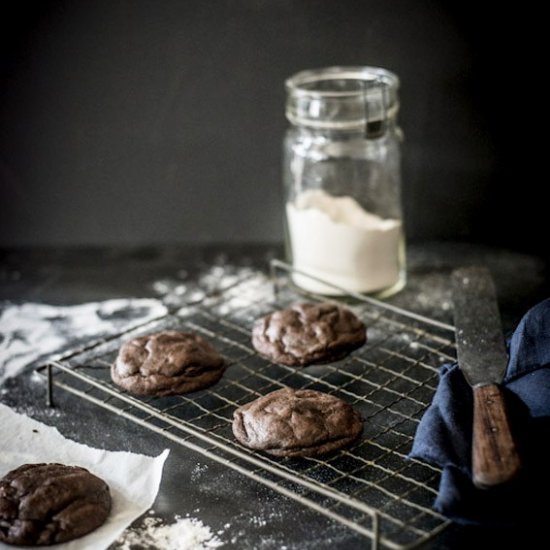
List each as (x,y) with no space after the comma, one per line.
(133,479)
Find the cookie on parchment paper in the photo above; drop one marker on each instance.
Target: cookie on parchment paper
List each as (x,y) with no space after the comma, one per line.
(44,504)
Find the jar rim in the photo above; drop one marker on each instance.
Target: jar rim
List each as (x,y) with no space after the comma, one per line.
(297,83)
(343,98)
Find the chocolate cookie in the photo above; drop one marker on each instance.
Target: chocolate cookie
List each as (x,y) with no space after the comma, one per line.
(167,363)
(42,504)
(291,422)
(308,333)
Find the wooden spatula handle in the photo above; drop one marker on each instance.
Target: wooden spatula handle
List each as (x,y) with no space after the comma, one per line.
(495,459)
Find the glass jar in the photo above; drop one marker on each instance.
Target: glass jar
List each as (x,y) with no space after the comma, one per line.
(341,172)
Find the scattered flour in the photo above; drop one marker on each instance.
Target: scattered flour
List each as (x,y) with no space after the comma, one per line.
(238,300)
(183,534)
(178,291)
(34,333)
(198,470)
(169,286)
(221,277)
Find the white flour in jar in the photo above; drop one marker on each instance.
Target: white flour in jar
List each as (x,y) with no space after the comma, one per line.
(336,240)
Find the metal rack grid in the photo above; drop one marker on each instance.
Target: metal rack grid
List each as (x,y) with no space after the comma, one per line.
(371,487)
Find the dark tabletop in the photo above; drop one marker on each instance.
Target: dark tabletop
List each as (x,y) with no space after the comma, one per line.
(247,514)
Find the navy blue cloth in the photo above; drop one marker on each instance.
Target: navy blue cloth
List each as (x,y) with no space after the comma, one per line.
(444,434)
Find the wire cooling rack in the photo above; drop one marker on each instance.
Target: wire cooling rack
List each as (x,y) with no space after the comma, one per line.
(371,487)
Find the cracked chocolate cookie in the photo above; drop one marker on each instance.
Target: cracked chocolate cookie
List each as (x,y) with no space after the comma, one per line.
(291,422)
(304,334)
(43,504)
(167,363)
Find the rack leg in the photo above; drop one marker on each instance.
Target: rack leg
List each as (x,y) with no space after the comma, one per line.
(49,394)
(376,531)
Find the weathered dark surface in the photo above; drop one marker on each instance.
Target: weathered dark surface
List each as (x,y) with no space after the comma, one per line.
(255,517)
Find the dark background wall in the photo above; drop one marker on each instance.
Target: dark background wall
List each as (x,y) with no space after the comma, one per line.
(138,122)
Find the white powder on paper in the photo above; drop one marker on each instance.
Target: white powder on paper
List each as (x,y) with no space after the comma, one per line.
(33,333)
(336,240)
(183,534)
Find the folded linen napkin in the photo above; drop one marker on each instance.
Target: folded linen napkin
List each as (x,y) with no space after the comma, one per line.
(444,434)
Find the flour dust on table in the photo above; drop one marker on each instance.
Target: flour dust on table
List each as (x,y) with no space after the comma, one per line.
(177,290)
(34,333)
(184,534)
